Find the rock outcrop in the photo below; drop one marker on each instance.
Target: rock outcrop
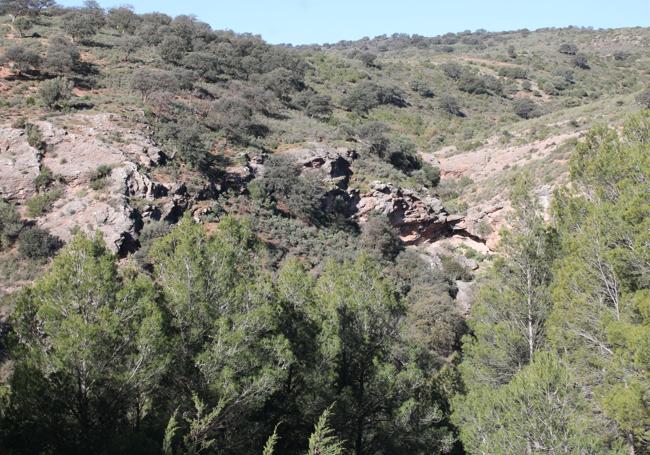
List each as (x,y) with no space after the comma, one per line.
(418,218)
(75,147)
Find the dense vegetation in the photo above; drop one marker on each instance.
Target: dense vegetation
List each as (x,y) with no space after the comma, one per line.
(280,325)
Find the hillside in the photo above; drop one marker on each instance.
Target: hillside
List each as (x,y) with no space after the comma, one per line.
(386,170)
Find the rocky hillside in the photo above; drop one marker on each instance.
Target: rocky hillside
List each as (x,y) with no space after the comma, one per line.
(125,129)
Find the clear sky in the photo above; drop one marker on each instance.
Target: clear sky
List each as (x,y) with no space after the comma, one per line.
(328,21)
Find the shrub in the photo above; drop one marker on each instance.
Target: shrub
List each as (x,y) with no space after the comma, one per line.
(513,72)
(36,243)
(55,92)
(452,70)
(379,236)
(172,49)
(643,98)
(81,25)
(480,85)
(123,19)
(450,105)
(526,108)
(621,55)
(62,56)
(581,61)
(44,179)
(98,177)
(402,154)
(22,24)
(374,135)
(421,88)
(282,185)
(232,116)
(42,203)
(315,105)
(367,95)
(368,58)
(427,176)
(146,81)
(568,49)
(34,136)
(23,59)
(10,224)
(128,45)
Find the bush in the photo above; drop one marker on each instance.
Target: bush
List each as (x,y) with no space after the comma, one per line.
(34,136)
(373,134)
(36,243)
(421,88)
(367,95)
(23,59)
(232,116)
(282,185)
(44,179)
(22,24)
(427,176)
(10,224)
(42,203)
(581,61)
(55,92)
(315,105)
(62,56)
(643,98)
(450,105)
(513,72)
(526,108)
(368,58)
(568,49)
(172,49)
(81,25)
(379,236)
(146,81)
(452,70)
(402,154)
(98,177)
(480,85)
(123,19)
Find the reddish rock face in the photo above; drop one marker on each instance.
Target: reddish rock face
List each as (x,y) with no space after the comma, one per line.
(419,219)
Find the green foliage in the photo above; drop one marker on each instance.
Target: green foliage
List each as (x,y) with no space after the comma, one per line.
(36,243)
(44,179)
(22,24)
(568,48)
(41,203)
(643,98)
(55,92)
(10,224)
(23,59)
(450,105)
(322,441)
(82,25)
(91,351)
(283,186)
(378,235)
(98,176)
(526,108)
(34,137)
(367,95)
(539,409)
(62,56)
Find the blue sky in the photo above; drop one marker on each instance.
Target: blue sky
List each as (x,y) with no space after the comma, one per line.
(311,21)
